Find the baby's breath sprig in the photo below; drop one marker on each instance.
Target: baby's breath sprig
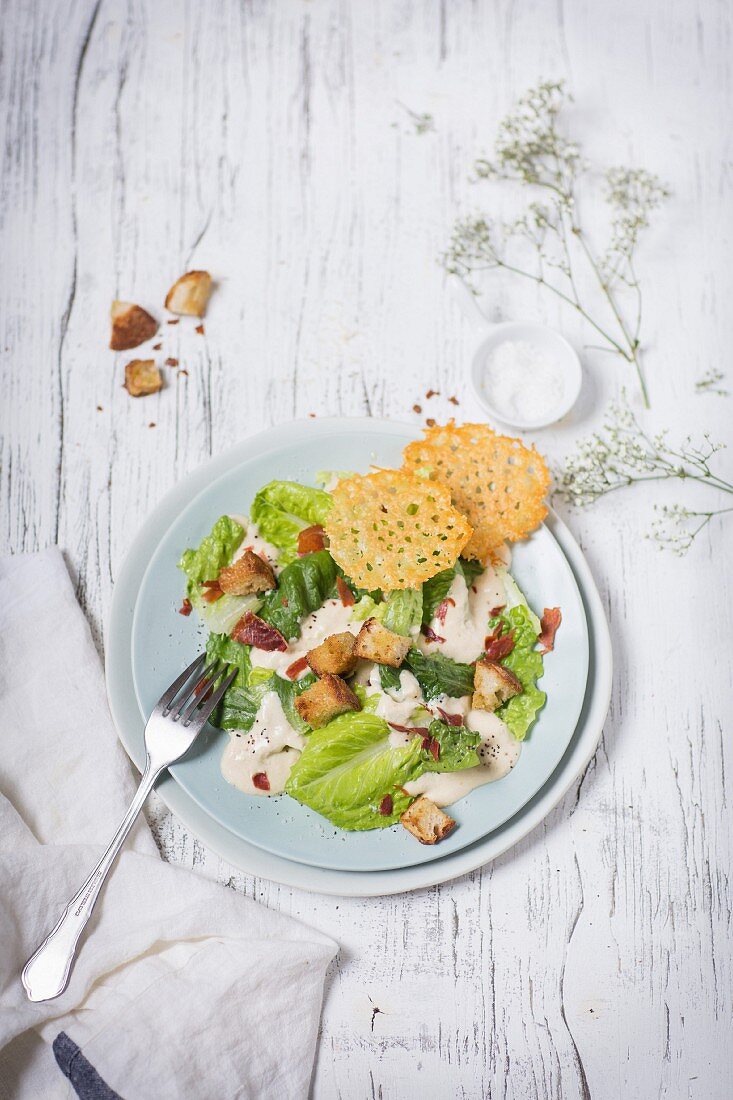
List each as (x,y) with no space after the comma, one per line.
(531,151)
(622,454)
(710,382)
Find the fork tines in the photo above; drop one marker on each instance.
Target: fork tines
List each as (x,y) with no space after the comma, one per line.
(195,687)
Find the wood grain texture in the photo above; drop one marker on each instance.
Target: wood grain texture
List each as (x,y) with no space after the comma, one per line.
(271,144)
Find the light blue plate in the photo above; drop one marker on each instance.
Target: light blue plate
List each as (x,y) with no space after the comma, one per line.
(163,642)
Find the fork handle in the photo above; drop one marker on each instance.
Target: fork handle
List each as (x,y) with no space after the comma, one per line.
(47,971)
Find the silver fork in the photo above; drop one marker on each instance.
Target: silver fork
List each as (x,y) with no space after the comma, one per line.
(173,726)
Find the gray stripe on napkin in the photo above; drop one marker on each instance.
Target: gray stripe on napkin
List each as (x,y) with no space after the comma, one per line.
(85,1080)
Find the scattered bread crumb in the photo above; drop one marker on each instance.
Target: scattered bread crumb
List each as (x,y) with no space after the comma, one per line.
(171,362)
(200,330)
(131,325)
(430,422)
(454,401)
(189,295)
(417,408)
(142,377)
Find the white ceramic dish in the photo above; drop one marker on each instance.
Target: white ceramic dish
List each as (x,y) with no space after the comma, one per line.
(544,339)
(254,859)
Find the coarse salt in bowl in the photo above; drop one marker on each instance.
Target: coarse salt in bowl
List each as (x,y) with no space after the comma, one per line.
(527,376)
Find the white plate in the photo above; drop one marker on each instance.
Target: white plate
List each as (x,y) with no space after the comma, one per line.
(255,860)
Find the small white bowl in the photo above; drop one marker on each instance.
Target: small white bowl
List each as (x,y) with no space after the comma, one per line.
(543,338)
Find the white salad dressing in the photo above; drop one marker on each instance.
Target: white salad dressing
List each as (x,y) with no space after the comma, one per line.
(498,753)
(397,704)
(253,541)
(466,619)
(272,746)
(332,618)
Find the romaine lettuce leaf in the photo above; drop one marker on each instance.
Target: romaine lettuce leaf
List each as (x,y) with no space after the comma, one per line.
(238,709)
(439,675)
(434,592)
(437,588)
(403,611)
(283,508)
(349,766)
(525,661)
(402,614)
(458,746)
(302,588)
(215,551)
(221,616)
(288,691)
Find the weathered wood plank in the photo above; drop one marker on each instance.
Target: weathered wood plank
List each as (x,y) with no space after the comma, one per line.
(273,145)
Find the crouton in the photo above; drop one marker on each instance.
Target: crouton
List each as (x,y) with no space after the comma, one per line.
(426,821)
(131,325)
(189,295)
(142,377)
(335,655)
(325,700)
(493,684)
(375,643)
(249,573)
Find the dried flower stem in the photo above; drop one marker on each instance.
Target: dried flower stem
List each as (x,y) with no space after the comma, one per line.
(622,454)
(531,151)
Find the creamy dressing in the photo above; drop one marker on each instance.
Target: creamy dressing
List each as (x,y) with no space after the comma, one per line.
(253,541)
(272,746)
(498,752)
(397,704)
(332,618)
(467,618)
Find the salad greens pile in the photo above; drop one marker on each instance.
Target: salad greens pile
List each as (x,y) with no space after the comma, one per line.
(349,771)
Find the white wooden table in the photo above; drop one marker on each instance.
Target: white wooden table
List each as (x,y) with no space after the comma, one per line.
(270,143)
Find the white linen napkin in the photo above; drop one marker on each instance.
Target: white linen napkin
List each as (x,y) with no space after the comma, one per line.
(181,988)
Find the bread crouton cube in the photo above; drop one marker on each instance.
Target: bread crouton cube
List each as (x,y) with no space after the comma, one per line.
(189,295)
(142,377)
(427,821)
(248,574)
(131,325)
(493,684)
(375,642)
(335,654)
(325,700)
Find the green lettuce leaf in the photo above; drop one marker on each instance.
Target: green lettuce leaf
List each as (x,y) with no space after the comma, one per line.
(434,592)
(525,661)
(403,611)
(458,746)
(389,678)
(439,675)
(288,691)
(283,508)
(349,766)
(302,588)
(437,588)
(214,552)
(221,616)
(238,709)
(469,570)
